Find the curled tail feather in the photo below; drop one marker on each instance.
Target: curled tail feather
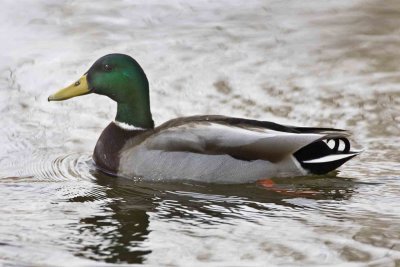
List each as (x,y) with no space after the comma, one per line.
(318,158)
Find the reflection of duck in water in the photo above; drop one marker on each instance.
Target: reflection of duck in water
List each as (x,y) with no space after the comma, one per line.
(120,232)
(204,148)
(135,212)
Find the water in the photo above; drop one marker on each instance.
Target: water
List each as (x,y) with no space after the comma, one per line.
(331,63)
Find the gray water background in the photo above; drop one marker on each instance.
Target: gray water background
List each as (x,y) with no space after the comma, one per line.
(309,63)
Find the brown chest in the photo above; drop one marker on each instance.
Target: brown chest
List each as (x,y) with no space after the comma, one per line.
(106,154)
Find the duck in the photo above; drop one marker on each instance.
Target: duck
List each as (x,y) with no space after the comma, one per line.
(204,148)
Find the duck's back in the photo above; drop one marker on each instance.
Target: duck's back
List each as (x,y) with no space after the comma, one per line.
(223,149)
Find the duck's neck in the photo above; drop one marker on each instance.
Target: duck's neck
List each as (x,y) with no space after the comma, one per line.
(136,115)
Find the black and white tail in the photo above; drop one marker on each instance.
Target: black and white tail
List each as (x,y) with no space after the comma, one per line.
(319,158)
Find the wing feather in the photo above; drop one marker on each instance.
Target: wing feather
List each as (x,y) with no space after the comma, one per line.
(214,138)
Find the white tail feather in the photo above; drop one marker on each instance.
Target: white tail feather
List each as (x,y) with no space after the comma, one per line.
(331,158)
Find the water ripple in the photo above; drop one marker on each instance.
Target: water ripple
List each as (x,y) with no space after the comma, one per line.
(49,168)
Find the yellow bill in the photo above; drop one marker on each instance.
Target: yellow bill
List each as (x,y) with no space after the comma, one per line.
(78,88)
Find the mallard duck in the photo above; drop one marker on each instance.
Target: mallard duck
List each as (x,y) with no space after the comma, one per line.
(209,148)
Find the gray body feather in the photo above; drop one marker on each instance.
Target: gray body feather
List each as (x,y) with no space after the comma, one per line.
(219,149)
(213,152)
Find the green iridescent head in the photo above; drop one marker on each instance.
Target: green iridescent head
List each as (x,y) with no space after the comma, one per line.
(121,78)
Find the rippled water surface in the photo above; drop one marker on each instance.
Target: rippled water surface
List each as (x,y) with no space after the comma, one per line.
(311,63)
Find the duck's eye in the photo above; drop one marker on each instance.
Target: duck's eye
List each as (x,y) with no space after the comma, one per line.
(107,67)
(77,83)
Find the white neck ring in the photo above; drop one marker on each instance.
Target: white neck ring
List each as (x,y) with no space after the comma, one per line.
(127,126)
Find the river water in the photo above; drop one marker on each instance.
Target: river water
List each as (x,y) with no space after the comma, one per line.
(309,63)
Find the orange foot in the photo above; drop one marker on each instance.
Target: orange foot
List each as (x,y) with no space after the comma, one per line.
(271,185)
